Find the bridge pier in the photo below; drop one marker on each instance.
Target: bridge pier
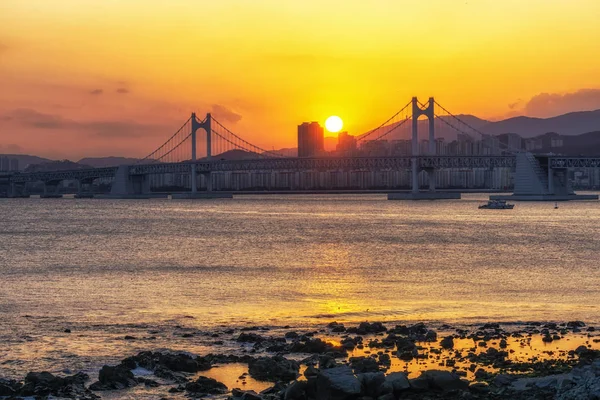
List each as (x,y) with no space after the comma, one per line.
(51,190)
(81,192)
(17,191)
(537,180)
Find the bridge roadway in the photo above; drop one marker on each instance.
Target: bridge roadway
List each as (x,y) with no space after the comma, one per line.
(270,164)
(300,164)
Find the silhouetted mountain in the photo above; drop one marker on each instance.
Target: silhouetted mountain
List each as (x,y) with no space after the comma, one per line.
(25,160)
(100,162)
(62,165)
(234,155)
(574,123)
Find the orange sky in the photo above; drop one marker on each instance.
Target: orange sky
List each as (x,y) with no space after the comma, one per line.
(117,77)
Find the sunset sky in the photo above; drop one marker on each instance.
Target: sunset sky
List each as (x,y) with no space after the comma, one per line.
(117,77)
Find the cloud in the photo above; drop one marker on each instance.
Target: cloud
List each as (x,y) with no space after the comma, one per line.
(551,104)
(107,129)
(36,119)
(97,92)
(11,148)
(225,114)
(122,90)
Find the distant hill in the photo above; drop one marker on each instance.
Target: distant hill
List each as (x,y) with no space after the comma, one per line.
(101,162)
(569,124)
(26,160)
(62,165)
(574,123)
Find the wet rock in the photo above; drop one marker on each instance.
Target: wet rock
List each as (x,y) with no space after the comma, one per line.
(479,387)
(238,394)
(335,327)
(431,336)
(291,335)
(67,330)
(204,385)
(364,364)
(316,346)
(366,328)
(444,380)
(9,387)
(326,361)
(147,382)
(250,338)
(310,372)
(395,383)
(405,344)
(447,342)
(114,378)
(296,391)
(273,369)
(371,383)
(337,384)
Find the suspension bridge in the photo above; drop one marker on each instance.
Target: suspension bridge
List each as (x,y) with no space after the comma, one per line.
(201,148)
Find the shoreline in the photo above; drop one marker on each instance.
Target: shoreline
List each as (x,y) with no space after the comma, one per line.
(490,359)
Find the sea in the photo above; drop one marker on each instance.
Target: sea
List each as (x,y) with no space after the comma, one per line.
(78,276)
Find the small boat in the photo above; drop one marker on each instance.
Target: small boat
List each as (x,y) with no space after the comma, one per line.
(497,205)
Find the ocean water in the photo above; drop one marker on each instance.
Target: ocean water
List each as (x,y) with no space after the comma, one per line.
(154,269)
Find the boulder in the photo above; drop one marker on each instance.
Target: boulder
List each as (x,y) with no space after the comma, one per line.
(447,343)
(114,378)
(337,383)
(273,369)
(363,364)
(395,382)
(204,386)
(296,391)
(371,383)
(444,380)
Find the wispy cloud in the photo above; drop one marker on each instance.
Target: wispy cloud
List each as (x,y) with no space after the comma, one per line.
(225,114)
(96,92)
(551,104)
(122,90)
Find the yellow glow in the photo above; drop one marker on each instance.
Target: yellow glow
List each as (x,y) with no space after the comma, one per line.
(334,124)
(276,63)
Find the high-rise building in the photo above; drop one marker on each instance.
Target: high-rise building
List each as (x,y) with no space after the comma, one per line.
(4,164)
(346,144)
(311,140)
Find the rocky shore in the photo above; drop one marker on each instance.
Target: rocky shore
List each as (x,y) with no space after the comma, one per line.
(368,361)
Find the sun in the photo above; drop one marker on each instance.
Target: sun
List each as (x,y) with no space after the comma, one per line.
(334,124)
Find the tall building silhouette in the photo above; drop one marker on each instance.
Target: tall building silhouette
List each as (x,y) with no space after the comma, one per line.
(310,139)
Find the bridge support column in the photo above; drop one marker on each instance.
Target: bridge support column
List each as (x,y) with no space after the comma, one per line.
(194,177)
(431,179)
(536,180)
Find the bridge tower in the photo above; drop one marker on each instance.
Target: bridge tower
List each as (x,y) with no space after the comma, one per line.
(417,111)
(206,125)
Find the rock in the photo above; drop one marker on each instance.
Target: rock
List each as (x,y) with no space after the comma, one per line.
(404,344)
(204,385)
(447,342)
(419,384)
(250,338)
(371,383)
(431,336)
(291,335)
(326,361)
(245,395)
(67,330)
(479,387)
(395,382)
(129,338)
(317,346)
(366,328)
(364,364)
(387,396)
(9,387)
(42,384)
(335,327)
(114,378)
(503,380)
(296,391)
(503,344)
(273,369)
(310,372)
(337,384)
(444,380)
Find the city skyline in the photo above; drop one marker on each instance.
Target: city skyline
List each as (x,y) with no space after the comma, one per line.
(116,77)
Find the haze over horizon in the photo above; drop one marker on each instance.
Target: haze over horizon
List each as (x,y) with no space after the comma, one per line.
(117,77)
